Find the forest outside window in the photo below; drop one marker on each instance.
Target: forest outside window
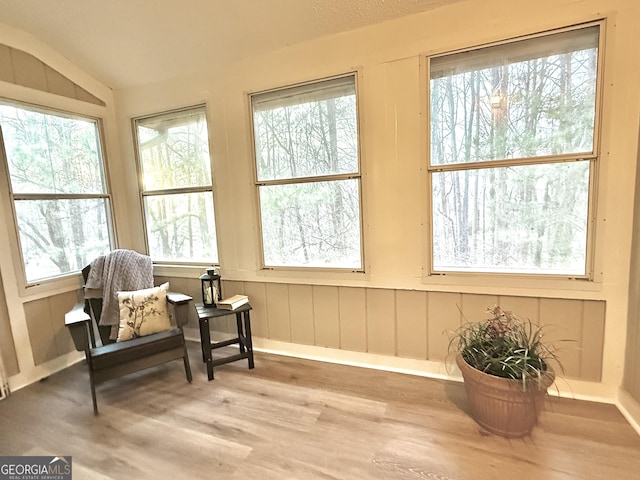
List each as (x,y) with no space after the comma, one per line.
(308,175)
(177,189)
(513,148)
(58,190)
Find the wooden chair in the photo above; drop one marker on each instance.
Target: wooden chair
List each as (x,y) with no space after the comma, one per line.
(108,359)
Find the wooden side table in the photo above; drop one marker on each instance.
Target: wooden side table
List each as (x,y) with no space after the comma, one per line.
(243,323)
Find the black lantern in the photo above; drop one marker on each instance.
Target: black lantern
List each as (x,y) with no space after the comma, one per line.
(211,287)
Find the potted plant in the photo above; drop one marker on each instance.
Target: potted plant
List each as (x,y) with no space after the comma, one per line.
(506,371)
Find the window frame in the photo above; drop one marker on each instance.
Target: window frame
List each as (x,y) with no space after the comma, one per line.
(593,157)
(302,87)
(25,285)
(173,191)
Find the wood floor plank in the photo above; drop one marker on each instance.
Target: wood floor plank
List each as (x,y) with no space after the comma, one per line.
(297,419)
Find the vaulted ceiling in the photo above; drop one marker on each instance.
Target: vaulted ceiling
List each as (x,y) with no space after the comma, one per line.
(135,42)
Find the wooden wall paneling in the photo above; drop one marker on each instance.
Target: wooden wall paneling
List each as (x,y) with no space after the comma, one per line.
(381,321)
(278,311)
(593,320)
(258,298)
(40,327)
(230,288)
(326,316)
(353,319)
(632,373)
(24,69)
(193,288)
(6,66)
(28,70)
(562,321)
(84,96)
(474,306)
(7,343)
(178,284)
(159,279)
(631,380)
(523,307)
(58,306)
(411,323)
(301,313)
(58,83)
(442,317)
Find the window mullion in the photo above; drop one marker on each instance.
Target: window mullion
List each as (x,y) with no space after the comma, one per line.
(175,191)
(511,162)
(289,181)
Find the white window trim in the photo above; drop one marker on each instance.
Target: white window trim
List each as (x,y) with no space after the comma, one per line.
(60,107)
(273,93)
(166,265)
(499,279)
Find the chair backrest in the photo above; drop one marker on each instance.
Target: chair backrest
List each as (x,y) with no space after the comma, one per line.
(116,271)
(93,308)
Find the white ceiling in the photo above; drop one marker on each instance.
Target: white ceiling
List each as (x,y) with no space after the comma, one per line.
(135,42)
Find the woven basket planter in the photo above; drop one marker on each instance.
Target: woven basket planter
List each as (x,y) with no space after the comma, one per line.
(501,405)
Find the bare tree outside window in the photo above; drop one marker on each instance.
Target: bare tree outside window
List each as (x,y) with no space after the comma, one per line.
(177,191)
(57,185)
(308,175)
(512,153)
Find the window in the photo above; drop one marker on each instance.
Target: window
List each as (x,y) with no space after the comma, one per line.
(512,155)
(58,189)
(308,175)
(177,191)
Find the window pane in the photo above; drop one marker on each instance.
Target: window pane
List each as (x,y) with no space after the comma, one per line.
(51,154)
(530,98)
(306,131)
(311,224)
(524,219)
(174,150)
(181,227)
(61,236)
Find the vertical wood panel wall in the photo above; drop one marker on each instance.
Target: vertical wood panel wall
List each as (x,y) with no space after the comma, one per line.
(45,321)
(7,345)
(414,324)
(24,69)
(631,378)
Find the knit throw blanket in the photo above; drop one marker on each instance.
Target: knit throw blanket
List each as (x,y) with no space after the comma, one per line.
(117,271)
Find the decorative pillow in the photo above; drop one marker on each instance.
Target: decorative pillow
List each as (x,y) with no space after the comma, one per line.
(143,312)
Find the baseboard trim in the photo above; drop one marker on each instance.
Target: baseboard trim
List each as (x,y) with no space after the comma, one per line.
(423,368)
(566,388)
(630,409)
(23,379)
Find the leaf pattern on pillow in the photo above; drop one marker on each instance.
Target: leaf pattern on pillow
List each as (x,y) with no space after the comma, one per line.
(138,311)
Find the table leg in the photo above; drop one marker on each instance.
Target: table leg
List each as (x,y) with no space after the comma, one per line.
(205,343)
(241,332)
(247,330)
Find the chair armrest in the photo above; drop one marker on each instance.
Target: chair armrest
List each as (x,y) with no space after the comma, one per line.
(78,322)
(76,315)
(180,304)
(178,298)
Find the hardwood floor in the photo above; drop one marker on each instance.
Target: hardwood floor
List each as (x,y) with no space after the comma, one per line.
(296,419)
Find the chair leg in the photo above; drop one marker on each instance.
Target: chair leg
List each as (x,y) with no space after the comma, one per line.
(93,392)
(187,366)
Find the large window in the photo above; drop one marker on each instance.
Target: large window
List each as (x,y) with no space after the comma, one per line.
(513,147)
(177,192)
(57,185)
(308,175)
